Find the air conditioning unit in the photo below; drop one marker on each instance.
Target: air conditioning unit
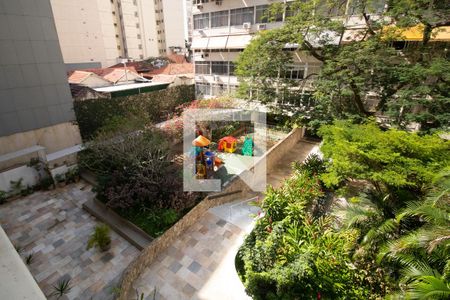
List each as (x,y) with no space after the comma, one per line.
(247,25)
(262,26)
(199,6)
(216,78)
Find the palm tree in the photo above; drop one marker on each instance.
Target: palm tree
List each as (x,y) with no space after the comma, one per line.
(424,253)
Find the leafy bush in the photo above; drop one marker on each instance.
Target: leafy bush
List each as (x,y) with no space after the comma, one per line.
(291,255)
(146,108)
(100,238)
(313,164)
(136,178)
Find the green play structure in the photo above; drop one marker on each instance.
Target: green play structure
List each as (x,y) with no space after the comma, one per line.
(247,148)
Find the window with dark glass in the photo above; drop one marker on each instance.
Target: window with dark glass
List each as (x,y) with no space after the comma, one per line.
(219,67)
(264,15)
(261,13)
(202,67)
(201,21)
(291,10)
(231,68)
(219,18)
(240,16)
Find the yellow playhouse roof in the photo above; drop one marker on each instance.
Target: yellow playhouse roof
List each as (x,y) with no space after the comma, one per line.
(415,33)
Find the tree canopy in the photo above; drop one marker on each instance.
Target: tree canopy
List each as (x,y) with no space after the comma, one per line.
(409,84)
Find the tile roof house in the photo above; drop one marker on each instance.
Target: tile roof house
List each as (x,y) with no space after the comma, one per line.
(87,79)
(81,92)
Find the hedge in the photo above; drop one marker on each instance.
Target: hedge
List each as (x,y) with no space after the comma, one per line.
(92,114)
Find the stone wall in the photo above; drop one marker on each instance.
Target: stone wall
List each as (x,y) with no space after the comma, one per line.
(235,188)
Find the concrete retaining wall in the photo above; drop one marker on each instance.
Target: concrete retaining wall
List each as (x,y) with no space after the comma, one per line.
(235,188)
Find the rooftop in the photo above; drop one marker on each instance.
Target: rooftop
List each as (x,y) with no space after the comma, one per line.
(123,87)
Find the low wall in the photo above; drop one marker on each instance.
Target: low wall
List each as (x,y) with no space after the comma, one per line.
(236,187)
(16,281)
(28,175)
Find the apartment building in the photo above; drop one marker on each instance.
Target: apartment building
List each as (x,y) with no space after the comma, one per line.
(96,33)
(223,28)
(36,108)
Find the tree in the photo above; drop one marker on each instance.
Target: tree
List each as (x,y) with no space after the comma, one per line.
(389,160)
(358,65)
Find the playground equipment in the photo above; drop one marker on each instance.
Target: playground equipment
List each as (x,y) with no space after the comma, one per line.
(205,160)
(247,148)
(227,144)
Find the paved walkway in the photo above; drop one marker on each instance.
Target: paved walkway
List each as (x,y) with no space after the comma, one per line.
(53,226)
(200,264)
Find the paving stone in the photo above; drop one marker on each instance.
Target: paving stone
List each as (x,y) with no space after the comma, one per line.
(194,267)
(59,248)
(221,223)
(58,243)
(175,266)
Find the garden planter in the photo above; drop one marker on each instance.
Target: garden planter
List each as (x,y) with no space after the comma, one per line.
(105,247)
(61,184)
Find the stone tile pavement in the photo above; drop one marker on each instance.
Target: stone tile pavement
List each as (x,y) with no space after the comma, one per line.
(200,265)
(53,226)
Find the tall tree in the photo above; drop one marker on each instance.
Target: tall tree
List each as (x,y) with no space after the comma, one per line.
(408,85)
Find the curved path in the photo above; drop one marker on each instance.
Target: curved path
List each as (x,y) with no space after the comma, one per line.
(200,264)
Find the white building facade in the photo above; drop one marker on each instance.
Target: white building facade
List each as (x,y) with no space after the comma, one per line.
(222,29)
(96,33)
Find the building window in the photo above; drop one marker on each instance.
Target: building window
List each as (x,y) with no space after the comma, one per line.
(135,2)
(231,68)
(136,14)
(263,15)
(218,89)
(290,12)
(295,73)
(139,36)
(118,47)
(201,21)
(137,25)
(200,1)
(117,35)
(202,89)
(219,67)
(202,67)
(219,18)
(240,16)
(139,46)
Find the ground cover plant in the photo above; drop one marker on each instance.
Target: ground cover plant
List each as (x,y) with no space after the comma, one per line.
(386,234)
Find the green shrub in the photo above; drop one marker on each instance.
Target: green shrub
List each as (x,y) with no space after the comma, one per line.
(93,114)
(292,255)
(312,164)
(3,196)
(100,238)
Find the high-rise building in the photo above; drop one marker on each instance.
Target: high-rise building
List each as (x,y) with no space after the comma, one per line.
(221,29)
(36,108)
(96,33)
